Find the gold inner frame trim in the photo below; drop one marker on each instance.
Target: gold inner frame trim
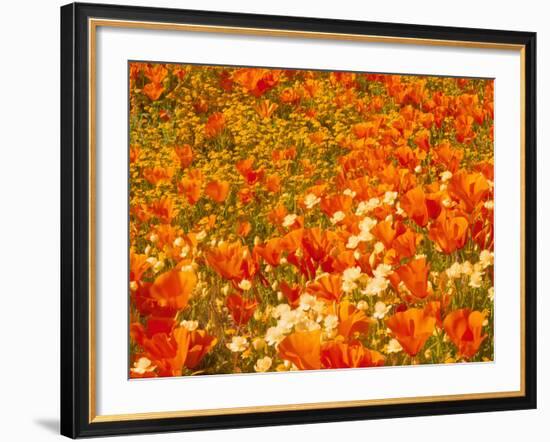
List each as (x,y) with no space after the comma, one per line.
(93,24)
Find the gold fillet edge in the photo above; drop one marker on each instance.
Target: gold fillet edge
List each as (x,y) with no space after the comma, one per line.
(294,407)
(302,34)
(92,221)
(92,27)
(522,220)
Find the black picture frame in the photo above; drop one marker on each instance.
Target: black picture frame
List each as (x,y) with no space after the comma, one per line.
(75,219)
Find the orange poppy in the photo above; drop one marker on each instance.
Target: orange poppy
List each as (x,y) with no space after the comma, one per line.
(164,115)
(217,190)
(245,169)
(162,350)
(153,326)
(226,82)
(256,81)
(180,72)
(318,242)
(289,96)
(469,188)
(463,126)
(243,228)
(244,166)
(229,260)
(449,157)
(246,195)
(138,266)
(285,154)
(157,175)
(303,263)
(327,287)
(414,275)
(214,125)
(241,309)
(153,90)
(384,232)
(271,251)
(166,234)
(426,119)
(163,209)
(361,187)
(465,328)
(365,130)
(449,232)
(303,349)
(406,243)
(145,304)
(433,308)
(422,139)
(308,168)
(191,188)
(434,202)
(351,320)
(273,183)
(135,70)
(336,203)
(291,293)
(135,153)
(277,214)
(366,263)
(339,261)
(483,230)
(406,157)
(342,355)
(170,353)
(312,87)
(184,154)
(266,108)
(317,137)
(200,343)
(414,203)
(487,168)
(411,328)
(200,105)
(346,79)
(155,72)
(292,241)
(173,288)
(180,343)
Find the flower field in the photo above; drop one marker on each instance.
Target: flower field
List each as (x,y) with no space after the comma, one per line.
(301,220)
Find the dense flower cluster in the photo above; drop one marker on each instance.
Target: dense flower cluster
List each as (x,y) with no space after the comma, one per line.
(297,220)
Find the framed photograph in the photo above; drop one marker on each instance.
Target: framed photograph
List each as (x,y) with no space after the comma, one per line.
(274,220)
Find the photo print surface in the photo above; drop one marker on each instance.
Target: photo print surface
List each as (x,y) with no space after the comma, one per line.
(286,219)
